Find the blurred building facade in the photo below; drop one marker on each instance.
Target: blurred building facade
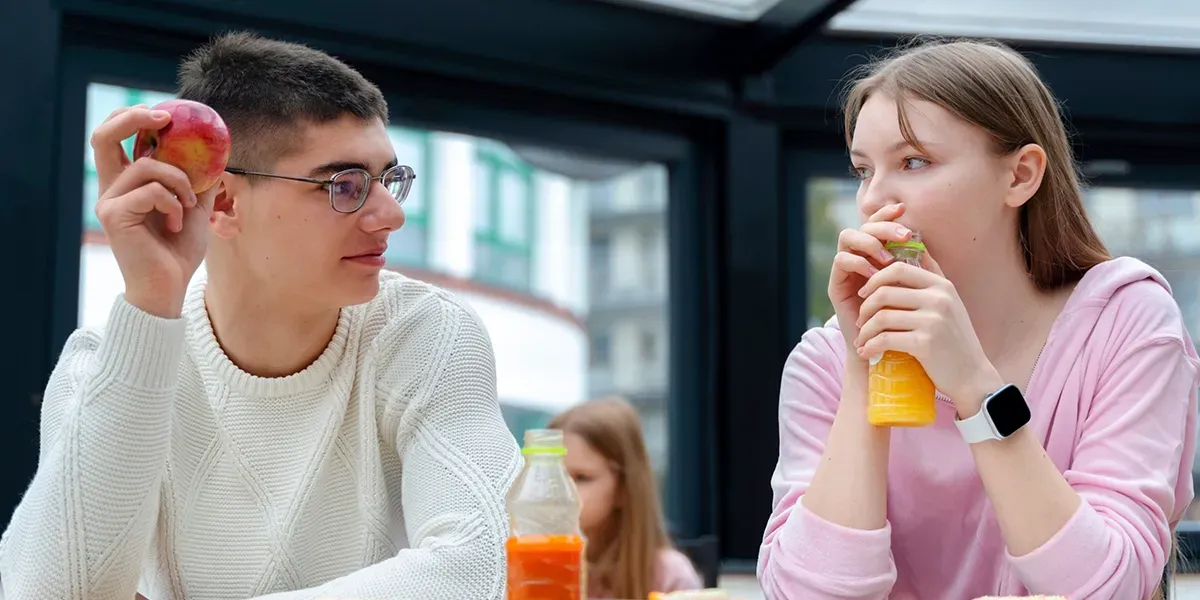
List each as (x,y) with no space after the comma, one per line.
(628,293)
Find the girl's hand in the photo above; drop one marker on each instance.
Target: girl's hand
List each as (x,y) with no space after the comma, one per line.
(917,311)
(860,256)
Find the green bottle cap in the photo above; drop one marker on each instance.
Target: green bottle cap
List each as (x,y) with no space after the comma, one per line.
(544,442)
(909,244)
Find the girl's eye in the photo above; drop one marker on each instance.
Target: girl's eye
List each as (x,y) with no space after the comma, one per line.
(861,173)
(914,163)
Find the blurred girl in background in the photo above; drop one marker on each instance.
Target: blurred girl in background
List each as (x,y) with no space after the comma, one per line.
(629,552)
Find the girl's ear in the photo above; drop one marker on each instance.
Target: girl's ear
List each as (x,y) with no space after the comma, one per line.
(1028,168)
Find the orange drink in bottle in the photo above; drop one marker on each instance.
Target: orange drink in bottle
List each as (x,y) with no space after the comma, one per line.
(900,393)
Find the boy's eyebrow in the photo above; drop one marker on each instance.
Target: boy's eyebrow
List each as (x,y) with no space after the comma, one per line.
(333,167)
(342,165)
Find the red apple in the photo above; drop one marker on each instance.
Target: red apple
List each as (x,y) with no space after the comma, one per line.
(196,141)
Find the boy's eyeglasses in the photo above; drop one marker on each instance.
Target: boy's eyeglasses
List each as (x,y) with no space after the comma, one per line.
(348,189)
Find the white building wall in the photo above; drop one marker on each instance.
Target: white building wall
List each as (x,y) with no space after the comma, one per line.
(451,243)
(658,263)
(625,250)
(559,269)
(626,354)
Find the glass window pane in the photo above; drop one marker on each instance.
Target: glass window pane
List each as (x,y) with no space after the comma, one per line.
(599,258)
(628,294)
(601,348)
(102,100)
(832,207)
(410,150)
(514,207)
(407,246)
(600,195)
(91,195)
(483,196)
(150,98)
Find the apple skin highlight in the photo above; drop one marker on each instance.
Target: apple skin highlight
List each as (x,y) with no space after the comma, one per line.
(196,141)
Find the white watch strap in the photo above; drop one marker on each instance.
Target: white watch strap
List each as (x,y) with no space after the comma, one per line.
(977,428)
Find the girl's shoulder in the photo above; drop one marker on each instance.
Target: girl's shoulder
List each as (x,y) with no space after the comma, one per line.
(673,571)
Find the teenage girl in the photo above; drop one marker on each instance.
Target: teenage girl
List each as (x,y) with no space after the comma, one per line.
(1060,459)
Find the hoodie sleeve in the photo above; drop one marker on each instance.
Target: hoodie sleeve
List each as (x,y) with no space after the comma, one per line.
(1131,466)
(803,555)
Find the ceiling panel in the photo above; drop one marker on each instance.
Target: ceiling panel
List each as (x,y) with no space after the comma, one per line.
(1144,23)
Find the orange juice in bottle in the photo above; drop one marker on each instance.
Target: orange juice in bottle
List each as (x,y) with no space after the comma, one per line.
(545,549)
(900,393)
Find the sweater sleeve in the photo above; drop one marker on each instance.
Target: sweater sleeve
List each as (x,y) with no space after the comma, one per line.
(84,525)
(459,460)
(1134,448)
(803,555)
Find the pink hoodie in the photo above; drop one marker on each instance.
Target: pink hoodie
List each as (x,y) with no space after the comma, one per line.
(1113,397)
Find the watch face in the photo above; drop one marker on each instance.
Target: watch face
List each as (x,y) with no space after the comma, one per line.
(1008,411)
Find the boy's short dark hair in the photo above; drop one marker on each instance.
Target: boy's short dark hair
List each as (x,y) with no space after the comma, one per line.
(265,90)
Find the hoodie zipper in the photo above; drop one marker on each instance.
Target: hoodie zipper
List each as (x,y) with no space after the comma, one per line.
(1035,365)
(946,399)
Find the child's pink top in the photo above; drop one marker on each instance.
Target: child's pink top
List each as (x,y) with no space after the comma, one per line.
(672,572)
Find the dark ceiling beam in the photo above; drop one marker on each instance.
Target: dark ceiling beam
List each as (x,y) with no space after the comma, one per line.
(1146,88)
(622,56)
(763,44)
(568,44)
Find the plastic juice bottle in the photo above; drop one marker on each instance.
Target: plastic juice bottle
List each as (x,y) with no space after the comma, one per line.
(900,393)
(546,559)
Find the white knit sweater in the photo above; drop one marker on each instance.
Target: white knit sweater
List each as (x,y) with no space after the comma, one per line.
(379,472)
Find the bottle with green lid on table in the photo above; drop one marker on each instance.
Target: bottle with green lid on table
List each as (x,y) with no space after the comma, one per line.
(545,548)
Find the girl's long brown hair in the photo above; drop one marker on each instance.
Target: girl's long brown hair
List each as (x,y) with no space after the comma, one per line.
(623,556)
(995,88)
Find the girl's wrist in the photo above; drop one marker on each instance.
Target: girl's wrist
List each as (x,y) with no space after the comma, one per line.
(855,384)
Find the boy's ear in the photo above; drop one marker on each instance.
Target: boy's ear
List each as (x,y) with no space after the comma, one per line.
(225,221)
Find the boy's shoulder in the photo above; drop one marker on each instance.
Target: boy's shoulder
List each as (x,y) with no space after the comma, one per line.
(416,311)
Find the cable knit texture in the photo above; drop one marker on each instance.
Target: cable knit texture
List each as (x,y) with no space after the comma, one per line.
(379,471)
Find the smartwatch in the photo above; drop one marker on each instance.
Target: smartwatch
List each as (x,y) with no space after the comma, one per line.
(1004,412)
